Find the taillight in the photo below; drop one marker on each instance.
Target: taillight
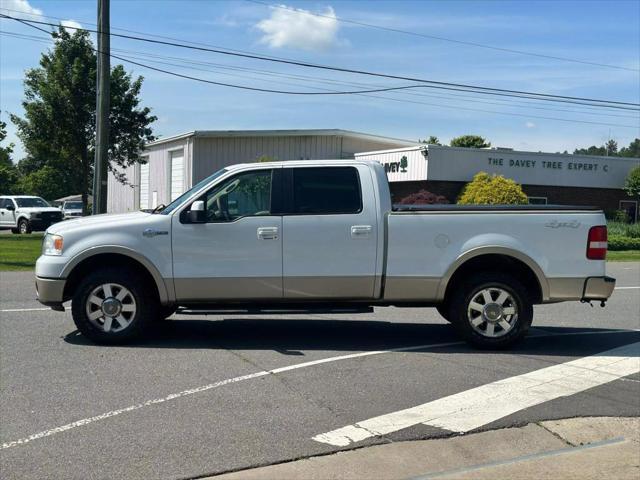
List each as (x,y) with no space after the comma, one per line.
(597,243)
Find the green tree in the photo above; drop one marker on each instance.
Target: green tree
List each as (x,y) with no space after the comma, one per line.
(432,140)
(470,141)
(592,150)
(58,128)
(8,172)
(487,189)
(632,183)
(633,150)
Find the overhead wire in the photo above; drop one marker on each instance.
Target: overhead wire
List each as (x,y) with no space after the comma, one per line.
(428,83)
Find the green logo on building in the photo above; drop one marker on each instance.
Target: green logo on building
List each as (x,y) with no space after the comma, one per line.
(404,164)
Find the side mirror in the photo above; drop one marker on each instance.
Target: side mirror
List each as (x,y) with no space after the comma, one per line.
(11,208)
(197,213)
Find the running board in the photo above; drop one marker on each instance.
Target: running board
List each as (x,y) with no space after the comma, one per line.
(272,310)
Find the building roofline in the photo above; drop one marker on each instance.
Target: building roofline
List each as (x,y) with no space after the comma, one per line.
(278,133)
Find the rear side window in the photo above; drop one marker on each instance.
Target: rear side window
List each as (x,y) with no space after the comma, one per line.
(326,190)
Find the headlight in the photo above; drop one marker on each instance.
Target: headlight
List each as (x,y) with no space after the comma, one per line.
(52,244)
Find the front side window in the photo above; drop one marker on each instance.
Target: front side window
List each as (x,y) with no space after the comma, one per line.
(326,190)
(73,205)
(244,195)
(31,202)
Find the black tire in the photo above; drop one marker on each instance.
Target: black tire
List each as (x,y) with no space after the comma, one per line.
(24,226)
(470,289)
(15,230)
(146,305)
(443,310)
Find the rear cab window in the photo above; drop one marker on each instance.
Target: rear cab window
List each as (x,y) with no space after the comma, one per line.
(326,191)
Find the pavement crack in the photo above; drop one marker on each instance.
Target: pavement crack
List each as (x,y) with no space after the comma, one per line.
(557,435)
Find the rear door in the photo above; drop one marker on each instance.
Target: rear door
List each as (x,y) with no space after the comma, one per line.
(329,233)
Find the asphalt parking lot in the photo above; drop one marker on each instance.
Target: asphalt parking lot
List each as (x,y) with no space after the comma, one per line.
(206,395)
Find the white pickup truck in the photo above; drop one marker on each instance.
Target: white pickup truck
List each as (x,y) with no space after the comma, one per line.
(304,236)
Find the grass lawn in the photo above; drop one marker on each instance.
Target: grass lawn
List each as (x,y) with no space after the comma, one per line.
(623,256)
(19,252)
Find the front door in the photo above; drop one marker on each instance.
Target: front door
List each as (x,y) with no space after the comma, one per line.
(237,253)
(7,217)
(330,233)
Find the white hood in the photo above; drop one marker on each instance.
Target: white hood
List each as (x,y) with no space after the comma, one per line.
(104,220)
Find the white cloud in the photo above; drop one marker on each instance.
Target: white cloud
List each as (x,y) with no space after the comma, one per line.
(530,125)
(70,23)
(300,29)
(21,6)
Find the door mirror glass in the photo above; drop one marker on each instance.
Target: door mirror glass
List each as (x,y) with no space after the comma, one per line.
(10,207)
(197,212)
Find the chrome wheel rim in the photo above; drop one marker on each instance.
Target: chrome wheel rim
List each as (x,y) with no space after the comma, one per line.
(492,312)
(23,227)
(111,307)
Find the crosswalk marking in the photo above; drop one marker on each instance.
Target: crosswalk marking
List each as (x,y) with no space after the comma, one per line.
(479,406)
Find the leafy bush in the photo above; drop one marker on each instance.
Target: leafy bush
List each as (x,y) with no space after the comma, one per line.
(423,197)
(624,229)
(487,189)
(617,242)
(632,183)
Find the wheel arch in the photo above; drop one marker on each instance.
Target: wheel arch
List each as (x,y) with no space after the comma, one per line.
(113,256)
(500,259)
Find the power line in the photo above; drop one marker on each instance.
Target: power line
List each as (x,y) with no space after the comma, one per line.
(362,93)
(314,79)
(430,83)
(444,39)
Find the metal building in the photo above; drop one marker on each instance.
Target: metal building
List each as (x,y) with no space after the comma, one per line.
(554,178)
(176,163)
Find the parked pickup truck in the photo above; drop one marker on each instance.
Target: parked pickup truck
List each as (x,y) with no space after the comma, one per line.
(25,213)
(321,235)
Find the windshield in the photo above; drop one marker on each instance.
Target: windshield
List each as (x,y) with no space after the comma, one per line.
(178,201)
(31,202)
(73,205)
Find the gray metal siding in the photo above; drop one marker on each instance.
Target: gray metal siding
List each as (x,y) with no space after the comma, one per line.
(124,198)
(212,154)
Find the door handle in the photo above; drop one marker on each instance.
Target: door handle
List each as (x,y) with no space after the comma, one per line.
(361,230)
(268,233)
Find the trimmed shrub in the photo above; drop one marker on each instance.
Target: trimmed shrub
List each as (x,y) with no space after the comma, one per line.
(423,197)
(487,189)
(617,242)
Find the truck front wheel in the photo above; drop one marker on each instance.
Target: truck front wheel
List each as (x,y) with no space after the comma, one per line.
(113,306)
(24,226)
(491,310)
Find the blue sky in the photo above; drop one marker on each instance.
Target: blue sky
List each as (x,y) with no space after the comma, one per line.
(600,32)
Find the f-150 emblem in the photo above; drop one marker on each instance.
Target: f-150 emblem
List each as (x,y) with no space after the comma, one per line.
(152,232)
(557,224)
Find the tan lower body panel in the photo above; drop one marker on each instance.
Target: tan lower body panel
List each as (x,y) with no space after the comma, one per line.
(315,288)
(208,289)
(411,288)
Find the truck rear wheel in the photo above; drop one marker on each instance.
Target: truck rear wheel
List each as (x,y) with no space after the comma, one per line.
(113,306)
(491,310)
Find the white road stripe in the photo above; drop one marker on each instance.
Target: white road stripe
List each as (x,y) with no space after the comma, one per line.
(204,388)
(479,406)
(626,288)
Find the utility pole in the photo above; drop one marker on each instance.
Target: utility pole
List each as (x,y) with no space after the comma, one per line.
(102,110)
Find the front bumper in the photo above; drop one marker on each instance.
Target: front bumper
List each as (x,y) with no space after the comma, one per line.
(50,291)
(598,288)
